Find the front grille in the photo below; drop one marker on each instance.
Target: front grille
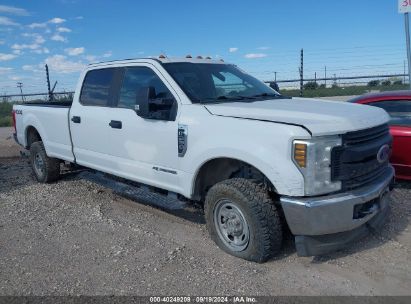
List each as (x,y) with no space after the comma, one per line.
(366,136)
(355,163)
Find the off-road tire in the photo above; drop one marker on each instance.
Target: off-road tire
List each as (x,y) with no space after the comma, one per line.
(260,212)
(50,166)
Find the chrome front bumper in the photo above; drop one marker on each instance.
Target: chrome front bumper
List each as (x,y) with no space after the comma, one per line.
(313,216)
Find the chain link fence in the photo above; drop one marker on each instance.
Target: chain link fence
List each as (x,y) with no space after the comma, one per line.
(311,87)
(7,102)
(38,97)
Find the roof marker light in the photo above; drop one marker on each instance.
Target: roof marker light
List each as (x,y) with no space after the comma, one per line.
(162,56)
(199,57)
(208,57)
(189,56)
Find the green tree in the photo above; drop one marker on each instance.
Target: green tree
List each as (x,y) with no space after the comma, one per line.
(5,113)
(311,85)
(373,83)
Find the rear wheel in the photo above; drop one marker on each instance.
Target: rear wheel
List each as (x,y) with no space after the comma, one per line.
(46,169)
(243,220)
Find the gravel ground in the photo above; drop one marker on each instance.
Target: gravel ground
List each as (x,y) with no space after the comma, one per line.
(83,236)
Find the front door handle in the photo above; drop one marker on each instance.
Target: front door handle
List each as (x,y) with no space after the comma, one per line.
(76,119)
(115,124)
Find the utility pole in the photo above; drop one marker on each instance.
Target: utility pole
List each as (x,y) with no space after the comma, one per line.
(407,38)
(404,7)
(302,73)
(4,97)
(315,77)
(275,76)
(325,76)
(20,86)
(404,73)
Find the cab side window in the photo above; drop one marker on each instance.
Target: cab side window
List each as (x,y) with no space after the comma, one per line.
(399,110)
(135,79)
(96,87)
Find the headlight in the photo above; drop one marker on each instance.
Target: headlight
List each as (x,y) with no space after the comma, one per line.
(313,158)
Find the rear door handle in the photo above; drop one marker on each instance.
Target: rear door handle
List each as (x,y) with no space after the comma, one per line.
(115,124)
(76,119)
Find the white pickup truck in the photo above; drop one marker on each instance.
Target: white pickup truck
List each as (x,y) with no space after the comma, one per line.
(204,129)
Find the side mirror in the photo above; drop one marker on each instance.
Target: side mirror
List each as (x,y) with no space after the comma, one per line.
(150,106)
(274,85)
(143,97)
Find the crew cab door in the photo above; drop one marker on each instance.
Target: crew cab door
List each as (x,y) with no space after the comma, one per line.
(125,144)
(88,119)
(146,148)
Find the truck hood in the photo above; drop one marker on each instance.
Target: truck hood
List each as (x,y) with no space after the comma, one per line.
(320,117)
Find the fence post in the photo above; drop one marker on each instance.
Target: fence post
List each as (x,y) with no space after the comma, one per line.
(48,83)
(302,73)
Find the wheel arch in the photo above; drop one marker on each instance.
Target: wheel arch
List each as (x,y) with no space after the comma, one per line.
(31,135)
(217,169)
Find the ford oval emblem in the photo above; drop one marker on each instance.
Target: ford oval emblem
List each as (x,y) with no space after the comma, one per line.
(383,154)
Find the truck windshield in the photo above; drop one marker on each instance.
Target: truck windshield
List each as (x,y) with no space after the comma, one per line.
(212,83)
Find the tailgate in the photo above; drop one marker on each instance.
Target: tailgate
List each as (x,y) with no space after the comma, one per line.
(18,124)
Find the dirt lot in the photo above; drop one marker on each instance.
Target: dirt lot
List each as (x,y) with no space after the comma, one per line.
(87,235)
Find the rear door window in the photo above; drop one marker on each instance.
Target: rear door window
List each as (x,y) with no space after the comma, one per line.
(399,111)
(96,87)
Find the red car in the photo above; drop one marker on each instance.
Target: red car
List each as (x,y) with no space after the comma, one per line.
(398,106)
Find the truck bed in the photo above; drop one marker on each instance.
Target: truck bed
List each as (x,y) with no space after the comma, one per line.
(50,120)
(58,104)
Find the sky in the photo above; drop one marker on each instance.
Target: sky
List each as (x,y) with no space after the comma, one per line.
(264,37)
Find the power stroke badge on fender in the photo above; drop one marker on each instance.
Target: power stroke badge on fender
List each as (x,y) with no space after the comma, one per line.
(182,139)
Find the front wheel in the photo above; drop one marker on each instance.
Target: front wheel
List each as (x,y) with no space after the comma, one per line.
(243,220)
(46,169)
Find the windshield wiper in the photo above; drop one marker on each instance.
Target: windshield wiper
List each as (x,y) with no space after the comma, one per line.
(268,95)
(224,98)
(237,97)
